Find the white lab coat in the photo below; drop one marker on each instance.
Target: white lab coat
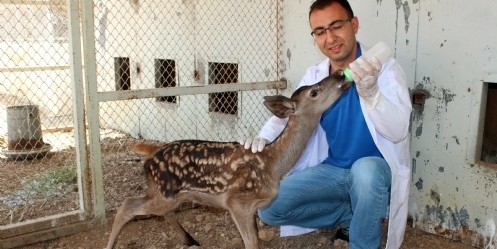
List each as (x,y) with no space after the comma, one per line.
(388,122)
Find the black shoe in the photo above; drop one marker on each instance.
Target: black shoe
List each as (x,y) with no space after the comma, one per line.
(343,234)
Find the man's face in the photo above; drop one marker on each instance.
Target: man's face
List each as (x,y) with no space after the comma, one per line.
(338,41)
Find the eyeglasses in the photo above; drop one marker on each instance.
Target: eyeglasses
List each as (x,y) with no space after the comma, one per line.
(334,26)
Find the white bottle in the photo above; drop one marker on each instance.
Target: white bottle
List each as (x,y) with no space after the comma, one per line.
(380,50)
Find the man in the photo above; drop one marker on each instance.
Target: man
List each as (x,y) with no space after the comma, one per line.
(355,168)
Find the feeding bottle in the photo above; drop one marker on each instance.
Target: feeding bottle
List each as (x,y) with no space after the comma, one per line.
(380,50)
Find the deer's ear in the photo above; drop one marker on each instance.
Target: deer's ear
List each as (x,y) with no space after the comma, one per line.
(280,106)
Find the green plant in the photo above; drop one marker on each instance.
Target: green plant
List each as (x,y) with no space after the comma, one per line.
(51,184)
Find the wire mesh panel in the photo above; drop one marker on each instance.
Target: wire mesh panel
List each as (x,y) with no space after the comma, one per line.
(37,158)
(153,71)
(155,44)
(179,48)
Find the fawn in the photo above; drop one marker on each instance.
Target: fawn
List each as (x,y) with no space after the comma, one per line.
(224,174)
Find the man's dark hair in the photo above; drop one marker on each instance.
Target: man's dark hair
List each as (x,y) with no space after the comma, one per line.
(321,4)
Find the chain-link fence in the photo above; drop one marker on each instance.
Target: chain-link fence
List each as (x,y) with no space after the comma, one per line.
(152,70)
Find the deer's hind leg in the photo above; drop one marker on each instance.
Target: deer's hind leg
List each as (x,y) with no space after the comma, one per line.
(188,240)
(144,205)
(131,207)
(165,207)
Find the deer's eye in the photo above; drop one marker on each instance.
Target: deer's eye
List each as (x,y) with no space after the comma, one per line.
(314,92)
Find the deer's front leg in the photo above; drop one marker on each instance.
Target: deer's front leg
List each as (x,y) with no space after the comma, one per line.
(244,219)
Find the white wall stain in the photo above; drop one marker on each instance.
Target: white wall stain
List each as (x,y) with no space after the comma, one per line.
(101,13)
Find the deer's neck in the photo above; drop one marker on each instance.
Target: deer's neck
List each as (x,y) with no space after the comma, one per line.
(286,150)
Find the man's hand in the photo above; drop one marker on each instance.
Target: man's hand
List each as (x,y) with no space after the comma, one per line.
(257,144)
(365,74)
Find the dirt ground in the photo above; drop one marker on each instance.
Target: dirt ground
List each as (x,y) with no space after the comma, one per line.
(123,177)
(215,230)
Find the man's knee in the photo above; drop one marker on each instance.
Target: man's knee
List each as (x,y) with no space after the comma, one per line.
(270,217)
(371,170)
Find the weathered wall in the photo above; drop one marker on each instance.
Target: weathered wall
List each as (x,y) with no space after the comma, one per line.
(447,48)
(451,194)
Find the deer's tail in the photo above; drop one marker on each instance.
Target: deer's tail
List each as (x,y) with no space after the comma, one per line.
(145,149)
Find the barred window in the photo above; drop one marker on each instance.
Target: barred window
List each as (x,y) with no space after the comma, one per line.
(123,73)
(223,102)
(165,76)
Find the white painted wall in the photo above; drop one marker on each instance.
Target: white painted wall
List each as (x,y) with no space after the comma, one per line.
(193,33)
(455,51)
(447,48)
